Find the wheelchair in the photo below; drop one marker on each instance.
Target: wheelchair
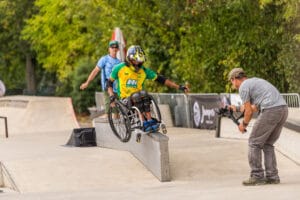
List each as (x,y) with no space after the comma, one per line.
(124,119)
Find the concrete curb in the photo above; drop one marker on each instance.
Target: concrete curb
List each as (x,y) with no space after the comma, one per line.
(288,144)
(152,151)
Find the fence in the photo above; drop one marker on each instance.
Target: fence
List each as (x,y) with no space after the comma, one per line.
(292,99)
(198,110)
(192,110)
(178,104)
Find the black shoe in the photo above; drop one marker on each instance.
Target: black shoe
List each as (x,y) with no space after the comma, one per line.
(272,181)
(254,181)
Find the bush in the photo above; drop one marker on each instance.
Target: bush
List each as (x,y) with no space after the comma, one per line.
(82,99)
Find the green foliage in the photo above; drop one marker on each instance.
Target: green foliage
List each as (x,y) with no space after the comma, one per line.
(12,48)
(82,99)
(233,34)
(196,41)
(63,31)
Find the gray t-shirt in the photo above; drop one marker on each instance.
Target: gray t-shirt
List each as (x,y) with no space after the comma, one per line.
(260,93)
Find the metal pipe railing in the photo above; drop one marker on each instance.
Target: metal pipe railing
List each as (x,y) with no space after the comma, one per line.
(6,128)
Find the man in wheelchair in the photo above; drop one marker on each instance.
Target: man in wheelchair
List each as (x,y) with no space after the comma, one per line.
(142,100)
(130,76)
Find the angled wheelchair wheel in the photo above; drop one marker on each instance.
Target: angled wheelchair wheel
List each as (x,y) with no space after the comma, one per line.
(154,109)
(120,122)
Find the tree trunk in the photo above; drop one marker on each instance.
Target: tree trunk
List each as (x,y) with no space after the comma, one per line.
(30,76)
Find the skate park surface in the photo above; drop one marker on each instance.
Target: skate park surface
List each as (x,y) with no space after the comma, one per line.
(201,165)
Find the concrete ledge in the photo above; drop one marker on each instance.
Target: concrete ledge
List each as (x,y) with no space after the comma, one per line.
(293,121)
(290,137)
(292,126)
(152,151)
(288,143)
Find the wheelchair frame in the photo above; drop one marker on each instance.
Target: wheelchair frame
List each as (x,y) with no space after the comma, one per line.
(130,119)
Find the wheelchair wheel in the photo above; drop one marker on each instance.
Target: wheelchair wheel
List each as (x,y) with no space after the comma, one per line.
(136,122)
(154,109)
(120,122)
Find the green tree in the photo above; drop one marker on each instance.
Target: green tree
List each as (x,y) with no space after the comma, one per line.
(83,99)
(220,35)
(153,25)
(17,61)
(63,31)
(194,41)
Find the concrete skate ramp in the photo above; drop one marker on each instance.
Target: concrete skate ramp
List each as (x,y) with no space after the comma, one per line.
(202,167)
(32,114)
(289,140)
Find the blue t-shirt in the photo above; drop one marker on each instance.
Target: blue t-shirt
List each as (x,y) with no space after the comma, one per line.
(106,64)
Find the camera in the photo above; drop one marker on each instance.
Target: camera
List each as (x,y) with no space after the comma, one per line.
(224,111)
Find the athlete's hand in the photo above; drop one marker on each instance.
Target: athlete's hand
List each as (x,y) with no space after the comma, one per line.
(184,88)
(112,98)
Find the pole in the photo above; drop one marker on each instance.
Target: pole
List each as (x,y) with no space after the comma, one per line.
(6,128)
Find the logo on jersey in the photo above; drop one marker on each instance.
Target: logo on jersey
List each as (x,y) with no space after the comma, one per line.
(131,83)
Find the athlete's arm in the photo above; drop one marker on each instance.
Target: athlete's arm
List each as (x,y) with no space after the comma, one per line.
(110,91)
(171,84)
(167,82)
(109,84)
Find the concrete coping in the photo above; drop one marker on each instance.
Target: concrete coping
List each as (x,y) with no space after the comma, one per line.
(293,125)
(13,103)
(159,137)
(293,121)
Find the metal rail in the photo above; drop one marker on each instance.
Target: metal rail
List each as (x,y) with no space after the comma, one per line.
(5,123)
(292,99)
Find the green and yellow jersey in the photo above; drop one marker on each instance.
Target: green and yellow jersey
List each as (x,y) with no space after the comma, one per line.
(130,81)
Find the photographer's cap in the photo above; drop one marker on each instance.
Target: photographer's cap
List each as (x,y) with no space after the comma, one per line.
(236,73)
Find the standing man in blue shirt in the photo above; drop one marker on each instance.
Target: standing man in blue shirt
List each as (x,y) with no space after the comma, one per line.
(105,64)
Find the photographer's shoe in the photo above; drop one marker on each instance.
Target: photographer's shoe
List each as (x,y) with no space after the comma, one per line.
(272,181)
(254,181)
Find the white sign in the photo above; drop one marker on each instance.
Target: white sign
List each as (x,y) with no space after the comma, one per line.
(2,89)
